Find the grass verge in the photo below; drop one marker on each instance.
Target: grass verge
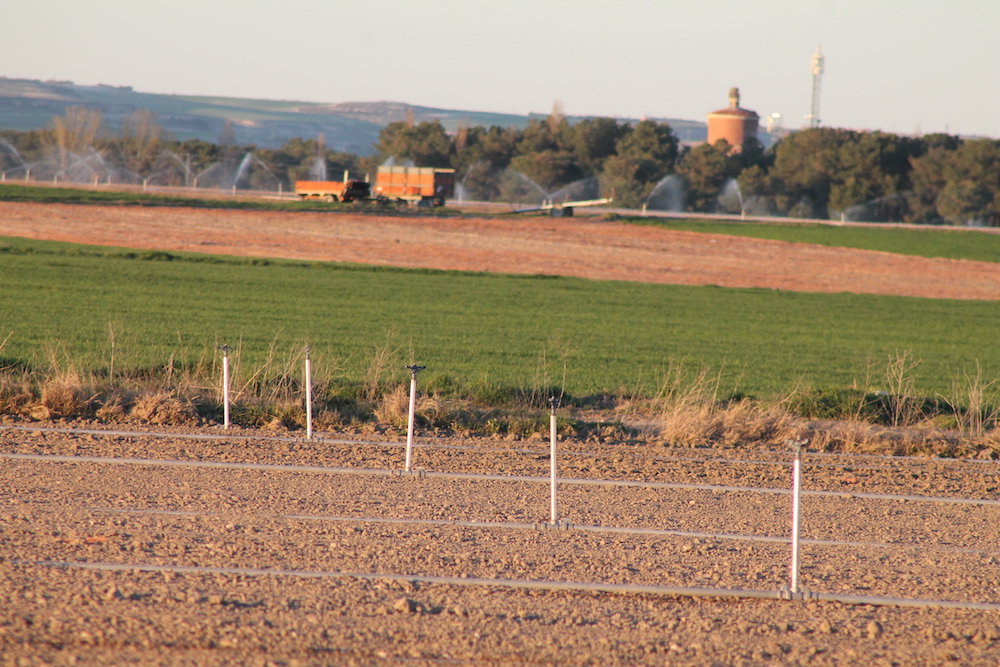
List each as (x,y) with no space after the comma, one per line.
(942,242)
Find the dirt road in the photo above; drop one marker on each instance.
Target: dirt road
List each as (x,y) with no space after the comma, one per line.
(582,247)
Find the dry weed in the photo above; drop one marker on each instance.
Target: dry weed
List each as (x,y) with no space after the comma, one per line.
(394,407)
(163,408)
(384,358)
(974,402)
(903,407)
(739,424)
(62,396)
(113,409)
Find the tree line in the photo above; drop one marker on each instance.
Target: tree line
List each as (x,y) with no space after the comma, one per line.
(814,173)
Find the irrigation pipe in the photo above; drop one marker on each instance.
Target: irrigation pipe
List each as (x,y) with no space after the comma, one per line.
(524,450)
(184,436)
(511,525)
(576,481)
(529,584)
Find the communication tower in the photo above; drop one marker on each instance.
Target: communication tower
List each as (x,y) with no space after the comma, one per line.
(817,72)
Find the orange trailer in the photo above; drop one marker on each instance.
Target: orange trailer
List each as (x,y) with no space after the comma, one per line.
(345,190)
(424,186)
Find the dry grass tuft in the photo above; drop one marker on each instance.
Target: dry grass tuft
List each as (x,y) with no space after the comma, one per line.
(62,396)
(394,406)
(163,408)
(113,409)
(742,423)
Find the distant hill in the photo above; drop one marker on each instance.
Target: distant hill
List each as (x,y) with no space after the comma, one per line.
(348,126)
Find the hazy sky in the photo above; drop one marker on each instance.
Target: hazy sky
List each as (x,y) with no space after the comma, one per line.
(895,65)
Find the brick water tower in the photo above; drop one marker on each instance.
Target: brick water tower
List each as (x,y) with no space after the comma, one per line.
(733,124)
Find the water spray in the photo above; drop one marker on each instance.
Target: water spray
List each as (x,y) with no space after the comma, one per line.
(414,369)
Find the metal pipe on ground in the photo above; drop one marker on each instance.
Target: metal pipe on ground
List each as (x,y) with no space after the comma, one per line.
(634,589)
(378,472)
(617,530)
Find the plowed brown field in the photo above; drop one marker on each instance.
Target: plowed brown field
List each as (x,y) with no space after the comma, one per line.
(238,559)
(582,247)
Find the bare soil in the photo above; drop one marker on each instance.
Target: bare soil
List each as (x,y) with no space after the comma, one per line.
(583,247)
(91,512)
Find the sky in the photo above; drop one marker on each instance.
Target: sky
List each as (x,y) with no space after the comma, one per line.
(904,66)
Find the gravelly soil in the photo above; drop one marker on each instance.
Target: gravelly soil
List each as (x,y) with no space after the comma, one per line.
(582,247)
(316,521)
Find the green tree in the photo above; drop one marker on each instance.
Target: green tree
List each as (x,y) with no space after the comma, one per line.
(972,192)
(874,165)
(199,154)
(706,168)
(824,168)
(644,154)
(549,169)
(805,164)
(479,163)
(545,153)
(426,144)
(297,159)
(594,140)
(494,146)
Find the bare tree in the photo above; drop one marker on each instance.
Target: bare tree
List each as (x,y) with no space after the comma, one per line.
(75,131)
(139,141)
(557,116)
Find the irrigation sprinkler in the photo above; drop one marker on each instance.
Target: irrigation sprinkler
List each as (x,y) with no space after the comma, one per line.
(554,405)
(225,384)
(414,369)
(309,397)
(796,511)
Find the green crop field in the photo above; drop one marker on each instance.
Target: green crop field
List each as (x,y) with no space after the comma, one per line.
(951,243)
(65,302)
